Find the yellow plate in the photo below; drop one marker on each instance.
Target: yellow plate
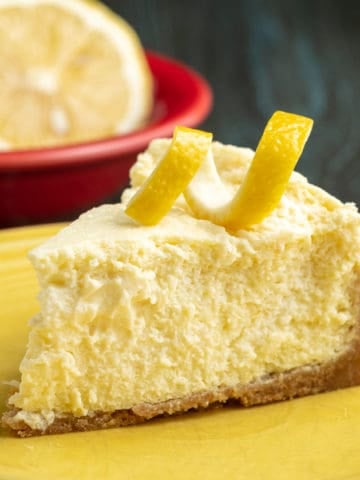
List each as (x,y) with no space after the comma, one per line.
(312,438)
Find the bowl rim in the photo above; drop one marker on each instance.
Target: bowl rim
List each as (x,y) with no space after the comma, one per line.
(99,150)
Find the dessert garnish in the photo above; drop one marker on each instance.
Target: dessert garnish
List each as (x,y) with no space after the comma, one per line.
(191,170)
(170,178)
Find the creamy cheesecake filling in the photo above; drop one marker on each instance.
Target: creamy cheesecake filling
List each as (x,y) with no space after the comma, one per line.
(147,322)
(134,314)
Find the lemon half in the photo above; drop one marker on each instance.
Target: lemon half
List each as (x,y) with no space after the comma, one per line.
(70,71)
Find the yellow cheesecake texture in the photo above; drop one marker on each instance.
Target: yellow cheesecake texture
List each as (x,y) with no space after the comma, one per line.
(133,314)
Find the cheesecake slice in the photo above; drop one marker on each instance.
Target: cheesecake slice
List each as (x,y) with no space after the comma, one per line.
(137,322)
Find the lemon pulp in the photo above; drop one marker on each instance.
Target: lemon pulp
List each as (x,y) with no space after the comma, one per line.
(70,71)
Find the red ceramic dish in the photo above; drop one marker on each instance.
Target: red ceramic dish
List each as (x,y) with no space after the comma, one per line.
(49,184)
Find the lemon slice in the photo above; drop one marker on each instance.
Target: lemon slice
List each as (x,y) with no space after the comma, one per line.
(170,178)
(70,71)
(275,158)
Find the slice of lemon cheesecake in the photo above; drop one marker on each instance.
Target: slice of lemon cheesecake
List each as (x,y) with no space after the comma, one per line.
(138,321)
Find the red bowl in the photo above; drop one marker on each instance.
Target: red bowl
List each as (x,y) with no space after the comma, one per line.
(50,184)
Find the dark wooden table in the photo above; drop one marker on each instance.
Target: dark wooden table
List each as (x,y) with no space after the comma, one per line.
(260,56)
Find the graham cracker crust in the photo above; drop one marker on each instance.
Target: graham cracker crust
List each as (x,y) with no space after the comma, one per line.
(343,371)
